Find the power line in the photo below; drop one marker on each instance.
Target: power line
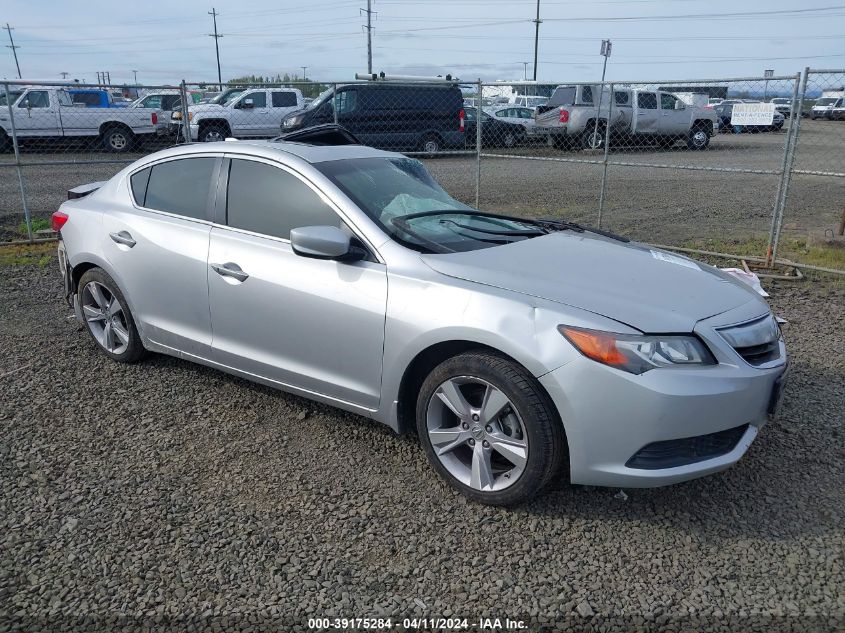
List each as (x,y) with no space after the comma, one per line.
(213,13)
(14,48)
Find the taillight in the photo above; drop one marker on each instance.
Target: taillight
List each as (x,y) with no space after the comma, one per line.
(564,116)
(154,117)
(57,220)
(462,116)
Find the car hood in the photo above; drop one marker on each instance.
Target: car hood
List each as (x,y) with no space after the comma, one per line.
(206,107)
(651,290)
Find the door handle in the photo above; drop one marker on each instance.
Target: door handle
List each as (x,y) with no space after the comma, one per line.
(230,269)
(123,237)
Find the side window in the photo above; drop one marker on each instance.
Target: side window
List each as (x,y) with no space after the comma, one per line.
(153,101)
(64,98)
(259,100)
(346,100)
(525,113)
(587,94)
(270,201)
(667,102)
(647,101)
(621,98)
(171,102)
(36,99)
(181,186)
(284,99)
(138,182)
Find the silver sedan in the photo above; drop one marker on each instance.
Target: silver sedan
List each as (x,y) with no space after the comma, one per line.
(519,350)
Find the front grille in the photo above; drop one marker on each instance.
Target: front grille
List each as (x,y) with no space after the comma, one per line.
(757,341)
(686,450)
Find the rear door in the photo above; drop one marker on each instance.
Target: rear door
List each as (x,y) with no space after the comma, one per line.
(282,102)
(646,113)
(316,325)
(158,249)
(37,114)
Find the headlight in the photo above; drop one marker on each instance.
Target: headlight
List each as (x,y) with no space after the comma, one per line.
(637,354)
(292,121)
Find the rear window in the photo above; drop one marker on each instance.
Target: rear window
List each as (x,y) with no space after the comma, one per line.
(647,101)
(138,182)
(587,94)
(88,98)
(563,96)
(180,187)
(622,98)
(284,99)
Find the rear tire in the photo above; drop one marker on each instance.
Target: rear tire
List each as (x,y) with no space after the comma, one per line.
(508,441)
(594,136)
(107,317)
(118,139)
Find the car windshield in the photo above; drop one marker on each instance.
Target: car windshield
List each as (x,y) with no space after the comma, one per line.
(401,197)
(321,99)
(825,102)
(227,97)
(14,94)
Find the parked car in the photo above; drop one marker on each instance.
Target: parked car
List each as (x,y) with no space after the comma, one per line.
(713,101)
(725,113)
(49,114)
(252,113)
(167,102)
(94,98)
(823,108)
(349,276)
(529,101)
(783,105)
(837,113)
(517,115)
(494,132)
(576,117)
(387,115)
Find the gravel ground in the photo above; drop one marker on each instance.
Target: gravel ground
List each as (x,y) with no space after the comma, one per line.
(653,204)
(175,496)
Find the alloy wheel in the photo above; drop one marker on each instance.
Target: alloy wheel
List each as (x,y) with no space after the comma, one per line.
(105,317)
(477,434)
(117,140)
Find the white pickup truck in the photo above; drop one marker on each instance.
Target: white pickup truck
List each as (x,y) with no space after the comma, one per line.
(573,118)
(48,113)
(256,112)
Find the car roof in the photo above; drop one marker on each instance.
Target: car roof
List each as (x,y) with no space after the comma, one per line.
(272,149)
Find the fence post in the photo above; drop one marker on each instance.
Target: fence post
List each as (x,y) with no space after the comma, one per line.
(478,114)
(186,123)
(776,208)
(787,174)
(606,149)
(334,102)
(27,219)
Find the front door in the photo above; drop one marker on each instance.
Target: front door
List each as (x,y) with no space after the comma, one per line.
(316,325)
(674,118)
(250,115)
(37,115)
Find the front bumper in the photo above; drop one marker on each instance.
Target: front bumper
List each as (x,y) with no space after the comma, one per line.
(610,416)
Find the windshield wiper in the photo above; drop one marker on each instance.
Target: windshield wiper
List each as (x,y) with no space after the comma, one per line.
(505,233)
(563,225)
(430,244)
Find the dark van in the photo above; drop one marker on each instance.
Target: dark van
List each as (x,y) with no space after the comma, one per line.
(423,118)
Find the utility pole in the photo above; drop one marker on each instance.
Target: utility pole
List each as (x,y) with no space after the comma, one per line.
(108,77)
(135,72)
(98,78)
(303,72)
(525,71)
(64,75)
(369,27)
(14,48)
(536,21)
(213,13)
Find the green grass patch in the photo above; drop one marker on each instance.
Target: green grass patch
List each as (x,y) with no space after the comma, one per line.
(795,250)
(40,255)
(38,224)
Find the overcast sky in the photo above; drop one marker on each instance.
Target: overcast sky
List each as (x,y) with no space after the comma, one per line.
(166,41)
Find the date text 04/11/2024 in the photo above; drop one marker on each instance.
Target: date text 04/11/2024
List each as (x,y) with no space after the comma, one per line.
(417,624)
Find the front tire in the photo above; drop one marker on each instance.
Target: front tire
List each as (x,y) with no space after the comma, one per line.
(213,133)
(699,138)
(107,317)
(489,429)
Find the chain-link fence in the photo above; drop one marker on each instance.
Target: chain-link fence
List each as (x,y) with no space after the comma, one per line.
(726,164)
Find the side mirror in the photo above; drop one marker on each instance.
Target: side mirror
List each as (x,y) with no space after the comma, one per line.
(680,105)
(325,242)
